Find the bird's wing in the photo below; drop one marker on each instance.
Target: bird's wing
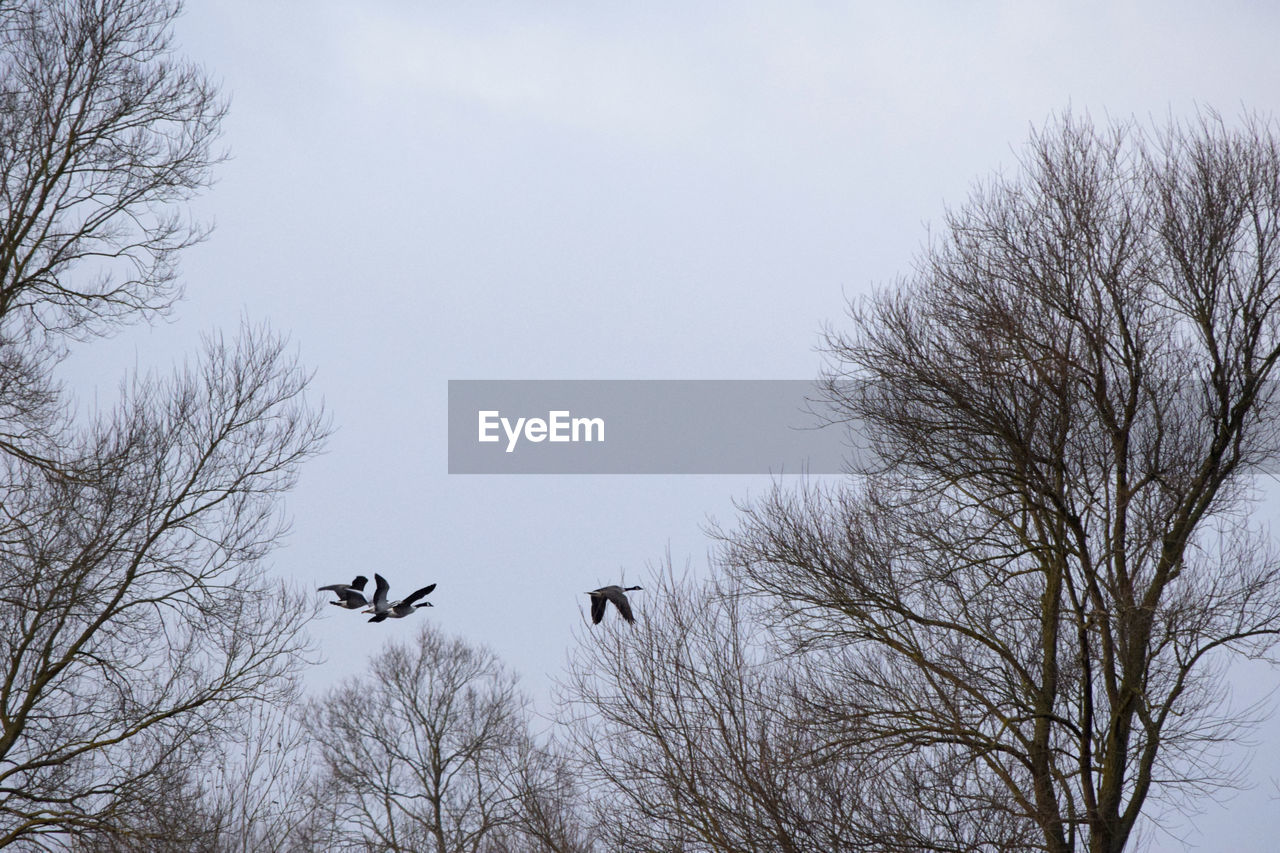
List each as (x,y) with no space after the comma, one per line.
(619,599)
(355,598)
(359,582)
(380,593)
(379,617)
(414,596)
(598,603)
(335,587)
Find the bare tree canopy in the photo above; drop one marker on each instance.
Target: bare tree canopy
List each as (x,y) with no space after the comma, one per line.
(103,134)
(135,613)
(1033,595)
(136,621)
(426,752)
(689,734)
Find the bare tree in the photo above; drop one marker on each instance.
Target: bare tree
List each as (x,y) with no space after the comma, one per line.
(136,621)
(180,820)
(103,134)
(552,813)
(136,617)
(424,753)
(254,789)
(259,787)
(1034,590)
(692,734)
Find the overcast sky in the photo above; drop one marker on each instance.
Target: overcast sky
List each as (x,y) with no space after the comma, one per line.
(421,192)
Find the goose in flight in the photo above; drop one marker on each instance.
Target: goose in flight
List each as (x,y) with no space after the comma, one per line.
(397,609)
(618,595)
(349,594)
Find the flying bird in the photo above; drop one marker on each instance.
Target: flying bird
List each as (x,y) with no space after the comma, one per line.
(349,594)
(601,597)
(397,609)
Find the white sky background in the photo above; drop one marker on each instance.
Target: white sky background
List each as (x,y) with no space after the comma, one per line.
(430,191)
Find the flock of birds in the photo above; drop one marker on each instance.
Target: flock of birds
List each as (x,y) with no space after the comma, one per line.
(351,597)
